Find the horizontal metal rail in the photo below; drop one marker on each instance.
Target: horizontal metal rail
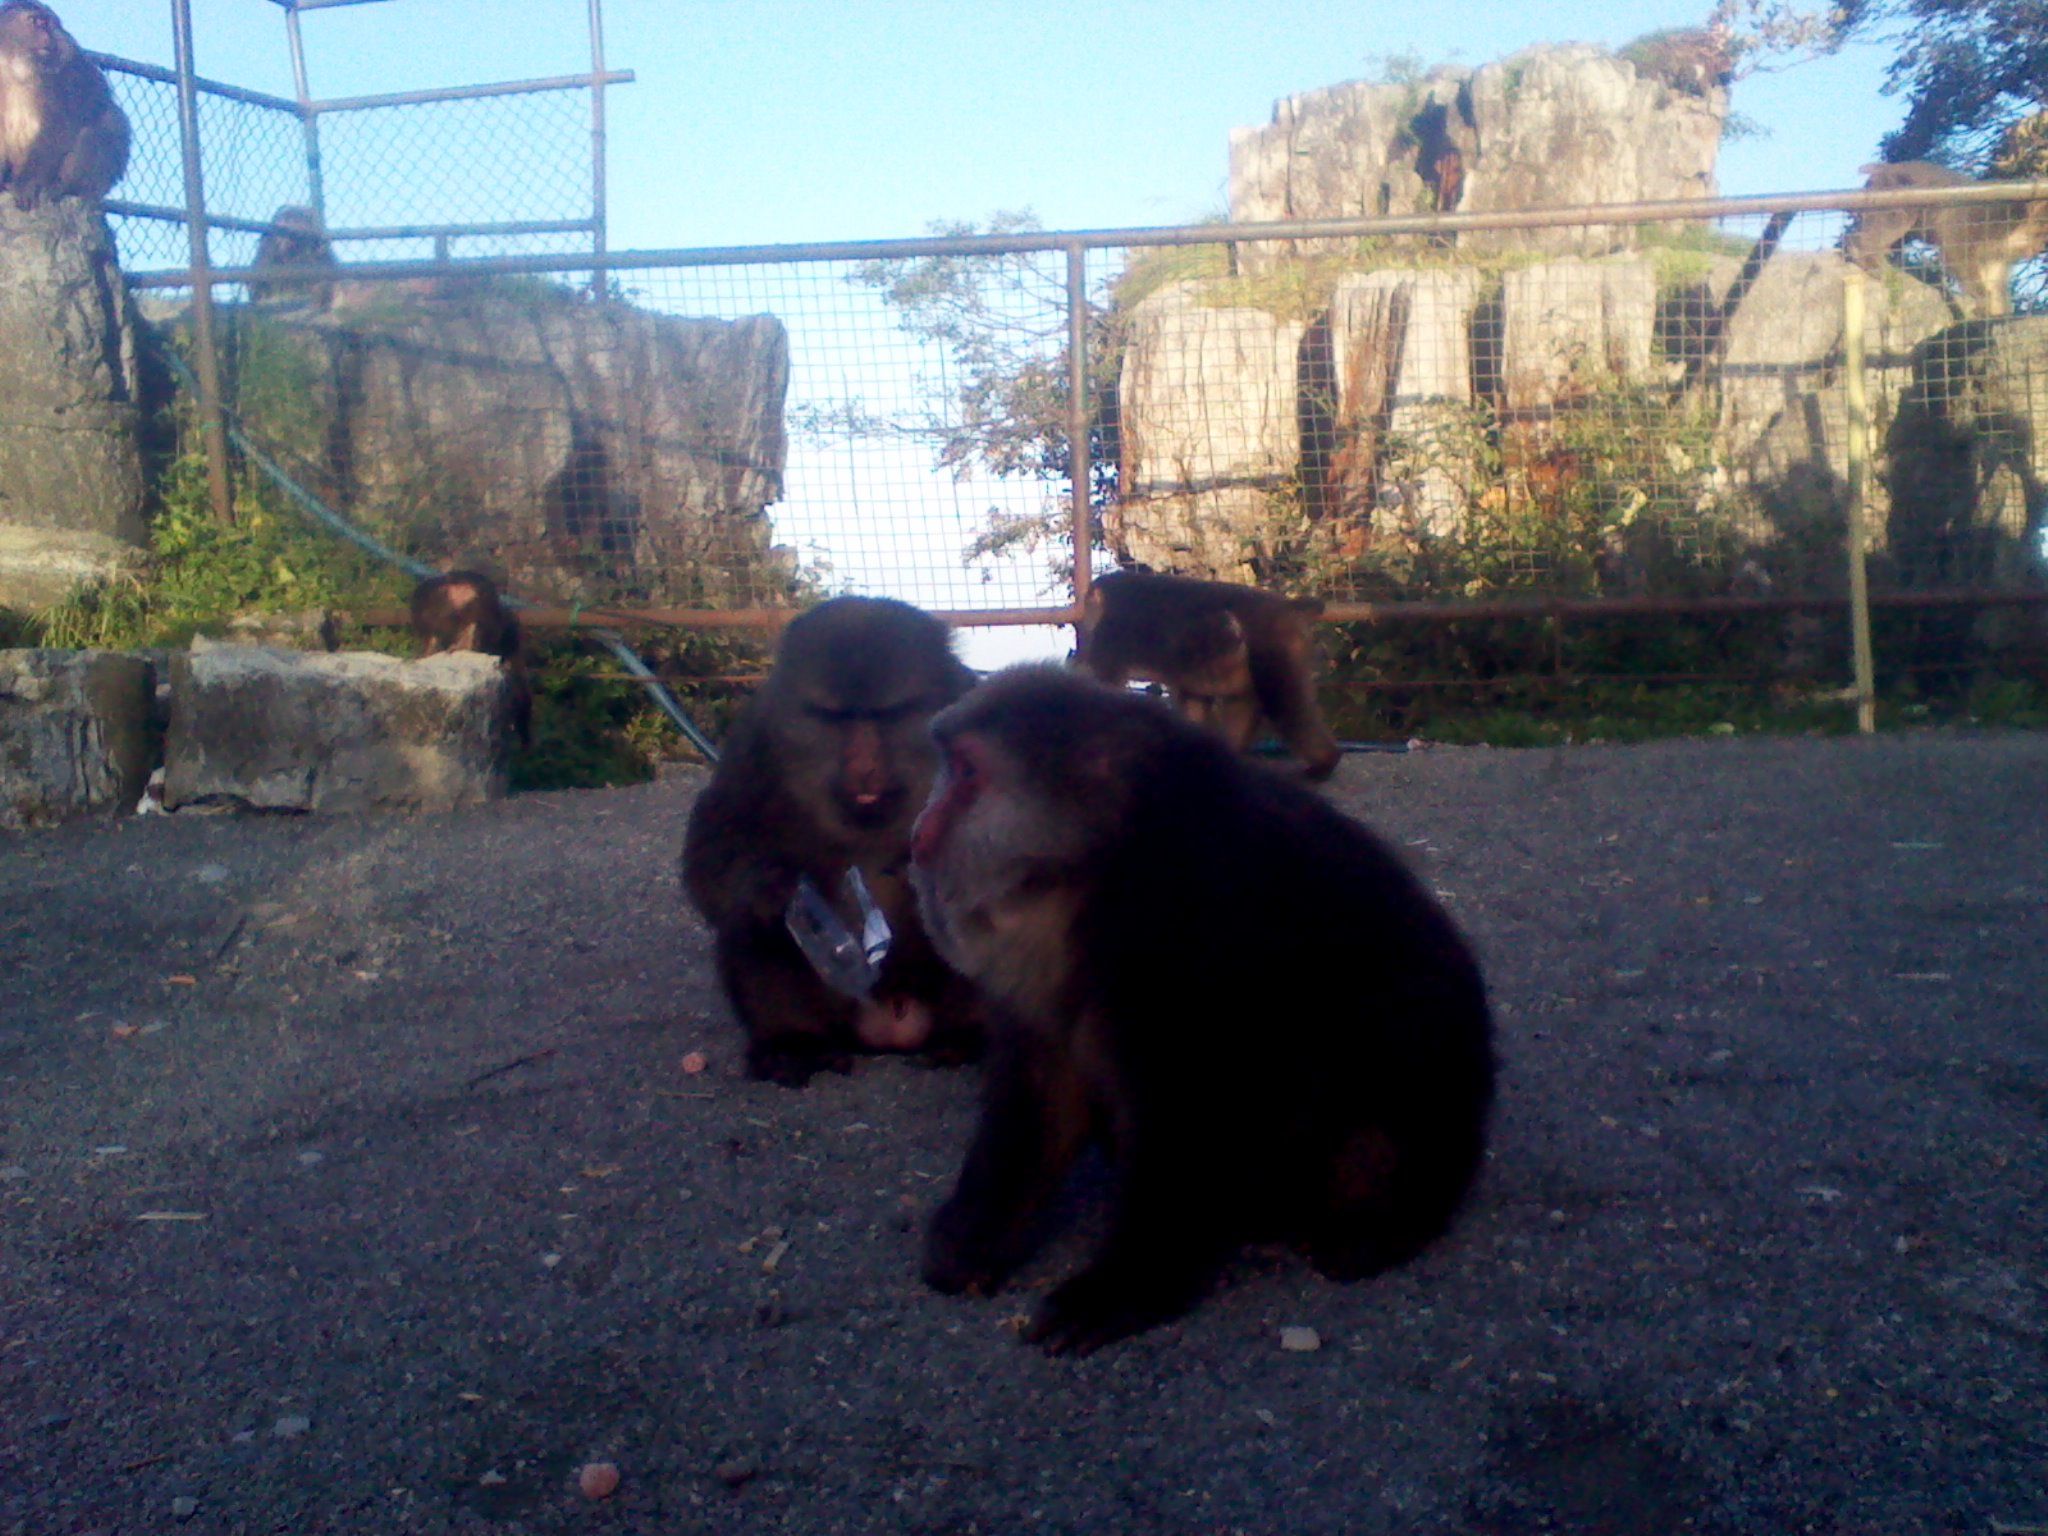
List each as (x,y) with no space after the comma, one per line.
(582,82)
(1039,242)
(164,76)
(1425,612)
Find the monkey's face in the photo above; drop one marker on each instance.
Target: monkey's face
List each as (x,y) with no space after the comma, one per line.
(867,763)
(1028,791)
(31,32)
(849,703)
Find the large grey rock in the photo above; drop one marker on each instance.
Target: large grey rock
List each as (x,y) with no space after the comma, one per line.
(71,487)
(577,448)
(1211,435)
(1401,355)
(1783,427)
(1574,328)
(1968,458)
(75,735)
(1548,127)
(280,730)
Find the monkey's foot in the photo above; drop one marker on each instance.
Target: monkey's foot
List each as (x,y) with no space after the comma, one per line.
(793,1063)
(893,1024)
(959,1257)
(954,1045)
(1100,1306)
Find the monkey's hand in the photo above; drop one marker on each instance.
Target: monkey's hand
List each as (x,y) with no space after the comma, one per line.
(1107,1302)
(963,1251)
(793,1060)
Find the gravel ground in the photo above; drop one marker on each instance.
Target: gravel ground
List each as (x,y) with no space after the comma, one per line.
(350,1180)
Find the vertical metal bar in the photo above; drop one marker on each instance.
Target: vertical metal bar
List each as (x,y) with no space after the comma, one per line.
(1859,481)
(597,190)
(1080,450)
(202,270)
(309,120)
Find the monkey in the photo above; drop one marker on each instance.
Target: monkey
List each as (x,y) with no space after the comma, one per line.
(822,773)
(1271,1027)
(1226,654)
(1978,243)
(61,132)
(462,611)
(297,245)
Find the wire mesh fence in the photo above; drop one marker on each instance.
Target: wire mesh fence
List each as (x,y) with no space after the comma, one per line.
(1663,416)
(491,171)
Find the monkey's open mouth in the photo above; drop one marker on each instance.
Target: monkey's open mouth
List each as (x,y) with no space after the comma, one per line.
(870,811)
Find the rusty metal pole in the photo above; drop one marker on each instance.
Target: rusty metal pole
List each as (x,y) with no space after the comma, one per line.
(1080,448)
(1859,483)
(597,188)
(203,343)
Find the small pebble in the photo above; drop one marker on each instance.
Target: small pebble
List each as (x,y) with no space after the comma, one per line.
(1300,1341)
(598,1480)
(291,1426)
(184,1507)
(735,1471)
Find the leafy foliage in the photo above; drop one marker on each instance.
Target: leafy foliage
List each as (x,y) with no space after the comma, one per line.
(1000,319)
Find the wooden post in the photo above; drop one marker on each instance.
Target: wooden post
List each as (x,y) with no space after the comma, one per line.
(1859,482)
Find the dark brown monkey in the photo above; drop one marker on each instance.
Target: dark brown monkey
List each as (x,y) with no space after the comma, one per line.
(461,611)
(61,132)
(825,772)
(1241,993)
(1227,655)
(1978,243)
(297,260)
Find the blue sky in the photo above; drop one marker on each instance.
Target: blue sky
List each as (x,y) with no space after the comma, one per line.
(783,120)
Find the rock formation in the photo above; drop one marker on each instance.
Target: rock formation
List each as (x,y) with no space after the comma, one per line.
(71,477)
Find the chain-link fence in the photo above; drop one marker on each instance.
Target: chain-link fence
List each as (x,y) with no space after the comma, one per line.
(474,171)
(1658,410)
(1573,415)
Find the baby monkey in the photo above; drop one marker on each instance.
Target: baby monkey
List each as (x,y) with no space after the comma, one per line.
(1227,656)
(462,611)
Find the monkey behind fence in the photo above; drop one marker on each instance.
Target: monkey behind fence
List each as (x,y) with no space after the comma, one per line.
(296,260)
(1978,243)
(61,132)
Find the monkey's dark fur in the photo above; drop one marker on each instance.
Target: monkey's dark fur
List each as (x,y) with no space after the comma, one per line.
(825,772)
(1242,994)
(297,261)
(461,611)
(61,132)
(1226,654)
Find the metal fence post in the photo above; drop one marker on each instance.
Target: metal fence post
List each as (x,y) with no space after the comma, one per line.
(597,187)
(309,120)
(1080,447)
(202,270)
(1859,481)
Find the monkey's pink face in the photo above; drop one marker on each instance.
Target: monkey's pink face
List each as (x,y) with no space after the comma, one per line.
(962,777)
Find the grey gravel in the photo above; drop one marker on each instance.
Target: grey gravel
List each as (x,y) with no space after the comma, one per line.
(1760,1247)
